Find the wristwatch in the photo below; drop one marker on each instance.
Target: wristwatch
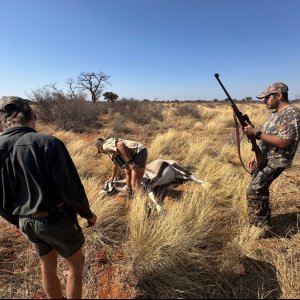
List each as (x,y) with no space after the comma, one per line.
(258,135)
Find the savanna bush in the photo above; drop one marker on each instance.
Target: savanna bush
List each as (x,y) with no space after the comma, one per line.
(140,113)
(65,113)
(77,115)
(120,126)
(187,110)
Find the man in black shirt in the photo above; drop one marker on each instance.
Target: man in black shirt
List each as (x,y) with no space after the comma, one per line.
(41,193)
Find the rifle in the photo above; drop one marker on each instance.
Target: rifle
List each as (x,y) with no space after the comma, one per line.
(261,162)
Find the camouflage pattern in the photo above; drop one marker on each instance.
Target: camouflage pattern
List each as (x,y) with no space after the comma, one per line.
(285,124)
(258,195)
(13,104)
(277,87)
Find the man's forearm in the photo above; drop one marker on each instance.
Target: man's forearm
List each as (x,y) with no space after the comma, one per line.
(275,140)
(271,139)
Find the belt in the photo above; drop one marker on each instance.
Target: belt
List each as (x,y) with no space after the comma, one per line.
(42,214)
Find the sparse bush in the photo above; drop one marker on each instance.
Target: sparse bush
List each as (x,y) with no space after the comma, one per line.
(141,113)
(77,115)
(187,110)
(44,104)
(119,125)
(74,114)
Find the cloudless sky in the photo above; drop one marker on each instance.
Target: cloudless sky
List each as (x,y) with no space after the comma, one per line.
(153,49)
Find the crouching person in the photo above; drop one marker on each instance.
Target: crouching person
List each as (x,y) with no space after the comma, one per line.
(130,155)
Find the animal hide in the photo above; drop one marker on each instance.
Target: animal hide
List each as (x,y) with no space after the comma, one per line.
(158,173)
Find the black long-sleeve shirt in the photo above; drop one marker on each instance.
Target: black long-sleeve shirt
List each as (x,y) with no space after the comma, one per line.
(37,173)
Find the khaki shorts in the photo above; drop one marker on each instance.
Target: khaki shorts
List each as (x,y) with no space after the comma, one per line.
(141,158)
(65,236)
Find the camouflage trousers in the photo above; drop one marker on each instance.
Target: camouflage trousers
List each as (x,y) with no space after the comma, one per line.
(258,195)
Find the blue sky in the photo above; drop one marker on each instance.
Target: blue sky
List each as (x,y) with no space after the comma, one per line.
(158,49)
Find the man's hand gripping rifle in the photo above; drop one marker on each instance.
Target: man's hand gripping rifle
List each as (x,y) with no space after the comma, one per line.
(244,121)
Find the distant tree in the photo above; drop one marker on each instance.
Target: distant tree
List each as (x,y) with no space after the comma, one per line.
(55,91)
(94,83)
(248,98)
(72,87)
(110,97)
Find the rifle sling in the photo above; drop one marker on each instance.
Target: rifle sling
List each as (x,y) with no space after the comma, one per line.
(238,141)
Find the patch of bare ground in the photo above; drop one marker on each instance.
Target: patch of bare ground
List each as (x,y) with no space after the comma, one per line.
(111,281)
(10,248)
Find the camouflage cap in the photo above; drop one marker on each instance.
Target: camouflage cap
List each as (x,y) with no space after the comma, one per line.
(277,87)
(14,104)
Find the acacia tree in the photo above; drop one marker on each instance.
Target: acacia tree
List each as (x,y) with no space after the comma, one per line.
(94,83)
(110,96)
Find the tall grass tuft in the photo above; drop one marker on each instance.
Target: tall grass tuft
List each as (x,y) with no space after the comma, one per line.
(170,256)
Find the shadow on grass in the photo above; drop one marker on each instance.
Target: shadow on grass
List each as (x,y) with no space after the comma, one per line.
(255,280)
(258,280)
(286,225)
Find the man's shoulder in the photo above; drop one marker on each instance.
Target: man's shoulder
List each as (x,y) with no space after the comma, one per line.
(294,114)
(292,110)
(40,138)
(288,114)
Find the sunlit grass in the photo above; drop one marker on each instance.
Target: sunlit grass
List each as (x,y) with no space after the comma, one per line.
(200,245)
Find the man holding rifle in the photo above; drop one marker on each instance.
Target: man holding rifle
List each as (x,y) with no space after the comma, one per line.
(278,141)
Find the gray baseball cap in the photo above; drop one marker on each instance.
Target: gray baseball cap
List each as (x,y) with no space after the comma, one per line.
(14,104)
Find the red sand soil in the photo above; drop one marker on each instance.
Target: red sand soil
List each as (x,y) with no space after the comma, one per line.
(9,249)
(109,280)
(110,287)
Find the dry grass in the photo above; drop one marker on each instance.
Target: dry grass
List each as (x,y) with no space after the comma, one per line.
(169,253)
(201,245)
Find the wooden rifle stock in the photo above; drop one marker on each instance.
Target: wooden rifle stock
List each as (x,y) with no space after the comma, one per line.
(244,119)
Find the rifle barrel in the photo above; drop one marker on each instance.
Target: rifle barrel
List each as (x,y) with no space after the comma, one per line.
(261,161)
(223,87)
